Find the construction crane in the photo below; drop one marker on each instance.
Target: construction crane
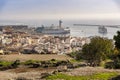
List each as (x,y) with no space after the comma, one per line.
(101,28)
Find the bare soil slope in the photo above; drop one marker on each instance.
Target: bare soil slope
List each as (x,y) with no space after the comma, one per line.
(24,57)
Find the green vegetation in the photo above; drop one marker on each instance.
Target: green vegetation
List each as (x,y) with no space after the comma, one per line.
(45,64)
(73,54)
(99,76)
(76,55)
(98,50)
(115,63)
(117,40)
(15,64)
(30,62)
(75,61)
(5,63)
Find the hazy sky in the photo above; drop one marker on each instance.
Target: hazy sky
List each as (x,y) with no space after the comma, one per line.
(38,10)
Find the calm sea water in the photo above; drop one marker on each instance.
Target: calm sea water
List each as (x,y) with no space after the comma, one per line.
(87,31)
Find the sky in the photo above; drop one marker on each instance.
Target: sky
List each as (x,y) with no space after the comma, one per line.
(39,11)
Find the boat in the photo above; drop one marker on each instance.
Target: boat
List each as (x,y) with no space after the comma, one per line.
(54,30)
(102,30)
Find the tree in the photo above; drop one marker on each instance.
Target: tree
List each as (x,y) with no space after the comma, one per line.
(117,40)
(97,50)
(116,56)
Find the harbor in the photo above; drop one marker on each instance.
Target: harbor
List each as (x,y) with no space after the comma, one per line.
(21,39)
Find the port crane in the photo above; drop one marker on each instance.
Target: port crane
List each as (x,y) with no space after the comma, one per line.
(101,28)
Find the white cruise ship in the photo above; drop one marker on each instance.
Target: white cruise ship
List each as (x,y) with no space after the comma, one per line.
(54,30)
(102,30)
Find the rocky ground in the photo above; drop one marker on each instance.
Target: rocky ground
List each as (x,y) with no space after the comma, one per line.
(89,71)
(29,74)
(14,76)
(35,74)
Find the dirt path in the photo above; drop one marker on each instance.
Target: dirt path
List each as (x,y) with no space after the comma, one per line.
(27,73)
(35,74)
(24,57)
(89,71)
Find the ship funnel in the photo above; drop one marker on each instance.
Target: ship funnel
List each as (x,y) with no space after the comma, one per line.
(60,24)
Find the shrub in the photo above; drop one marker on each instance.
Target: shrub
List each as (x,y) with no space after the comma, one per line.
(109,65)
(30,62)
(53,59)
(112,65)
(21,78)
(15,64)
(117,66)
(5,63)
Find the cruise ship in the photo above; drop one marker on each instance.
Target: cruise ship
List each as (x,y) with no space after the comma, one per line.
(54,30)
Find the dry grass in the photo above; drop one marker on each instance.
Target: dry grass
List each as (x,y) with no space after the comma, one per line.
(25,57)
(28,73)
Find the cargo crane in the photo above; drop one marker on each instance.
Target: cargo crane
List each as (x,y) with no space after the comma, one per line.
(101,28)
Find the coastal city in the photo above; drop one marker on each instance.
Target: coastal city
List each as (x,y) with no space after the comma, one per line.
(22,39)
(59,39)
